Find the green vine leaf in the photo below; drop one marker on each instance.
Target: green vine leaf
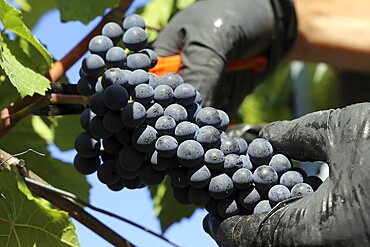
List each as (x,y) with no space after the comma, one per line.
(164,203)
(23,78)
(11,18)
(83,10)
(27,221)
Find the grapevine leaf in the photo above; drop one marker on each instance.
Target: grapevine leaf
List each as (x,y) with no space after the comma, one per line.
(11,18)
(24,79)
(67,129)
(59,174)
(83,10)
(164,202)
(181,4)
(27,221)
(38,8)
(8,93)
(156,14)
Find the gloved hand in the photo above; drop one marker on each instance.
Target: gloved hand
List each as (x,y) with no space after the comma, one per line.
(337,214)
(208,34)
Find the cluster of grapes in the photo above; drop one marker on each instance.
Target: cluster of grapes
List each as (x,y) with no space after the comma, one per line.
(151,127)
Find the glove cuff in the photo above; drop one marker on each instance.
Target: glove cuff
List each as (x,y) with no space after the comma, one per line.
(285,31)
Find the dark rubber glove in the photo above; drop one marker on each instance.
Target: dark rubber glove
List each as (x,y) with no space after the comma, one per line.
(210,33)
(337,214)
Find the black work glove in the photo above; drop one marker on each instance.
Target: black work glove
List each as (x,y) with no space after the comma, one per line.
(337,214)
(210,33)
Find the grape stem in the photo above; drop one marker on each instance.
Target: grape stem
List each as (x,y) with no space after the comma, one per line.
(20,109)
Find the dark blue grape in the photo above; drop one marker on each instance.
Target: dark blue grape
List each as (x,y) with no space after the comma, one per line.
(249,197)
(208,136)
(143,93)
(165,125)
(99,45)
(265,177)
(225,120)
(152,55)
(86,166)
(153,80)
(138,61)
(97,105)
(98,87)
(246,162)
(160,163)
(199,197)
(166,146)
(301,189)
(208,116)
(144,138)
(179,177)
(163,95)
(230,146)
(107,173)
(112,121)
(260,151)
(228,207)
(86,85)
(130,159)
(153,113)
(117,186)
(184,94)
(232,163)
(97,129)
(123,173)
(291,178)
(137,77)
(116,57)
(278,193)
(135,39)
(114,76)
(133,114)
(115,97)
(214,159)
(113,31)
(85,118)
(221,186)
(86,145)
(242,178)
(262,206)
(199,177)
(190,153)
(192,111)
(112,145)
(172,80)
(181,195)
(280,163)
(93,65)
(243,145)
(125,136)
(177,112)
(133,20)
(150,176)
(185,131)
(211,207)
(132,184)
(198,98)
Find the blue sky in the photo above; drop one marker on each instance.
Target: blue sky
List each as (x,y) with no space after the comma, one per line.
(135,205)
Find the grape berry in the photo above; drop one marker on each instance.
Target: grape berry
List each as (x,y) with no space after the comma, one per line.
(140,128)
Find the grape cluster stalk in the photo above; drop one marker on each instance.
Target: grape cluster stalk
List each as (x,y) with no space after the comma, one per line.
(140,128)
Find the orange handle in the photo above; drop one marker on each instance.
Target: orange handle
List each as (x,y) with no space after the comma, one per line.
(174,63)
